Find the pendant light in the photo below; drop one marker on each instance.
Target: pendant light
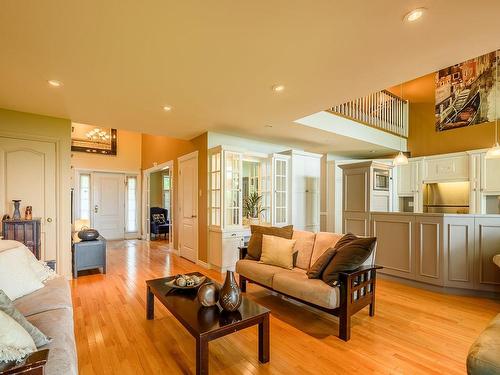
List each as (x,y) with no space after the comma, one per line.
(494,152)
(400,158)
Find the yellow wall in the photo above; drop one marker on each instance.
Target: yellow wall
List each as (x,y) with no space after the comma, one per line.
(30,126)
(156,189)
(160,149)
(423,139)
(127,159)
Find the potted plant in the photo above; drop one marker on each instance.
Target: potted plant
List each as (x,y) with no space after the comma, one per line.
(252,207)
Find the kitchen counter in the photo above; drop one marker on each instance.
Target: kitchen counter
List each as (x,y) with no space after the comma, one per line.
(447,250)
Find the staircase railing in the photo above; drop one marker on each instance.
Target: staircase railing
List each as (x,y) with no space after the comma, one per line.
(382,110)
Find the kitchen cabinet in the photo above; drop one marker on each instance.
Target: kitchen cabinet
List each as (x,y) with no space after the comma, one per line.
(447,250)
(429,249)
(409,185)
(452,167)
(490,175)
(484,184)
(486,241)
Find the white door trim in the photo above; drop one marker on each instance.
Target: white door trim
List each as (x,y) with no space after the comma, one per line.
(192,155)
(146,198)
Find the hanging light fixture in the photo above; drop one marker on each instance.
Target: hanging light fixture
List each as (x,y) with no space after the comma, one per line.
(494,152)
(400,158)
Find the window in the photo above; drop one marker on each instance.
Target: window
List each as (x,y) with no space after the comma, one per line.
(131,214)
(84,213)
(166,192)
(215,189)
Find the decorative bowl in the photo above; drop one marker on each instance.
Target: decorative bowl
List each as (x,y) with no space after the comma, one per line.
(173,283)
(88,234)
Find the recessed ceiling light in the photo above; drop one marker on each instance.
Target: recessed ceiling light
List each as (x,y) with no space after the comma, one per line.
(54,83)
(278,88)
(414,15)
(167,108)
(268,126)
(372,151)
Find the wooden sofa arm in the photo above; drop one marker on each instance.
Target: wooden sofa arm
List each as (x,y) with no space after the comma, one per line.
(32,365)
(243,251)
(358,271)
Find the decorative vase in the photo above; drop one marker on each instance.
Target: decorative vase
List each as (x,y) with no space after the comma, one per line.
(208,294)
(17,214)
(254,221)
(87,234)
(230,293)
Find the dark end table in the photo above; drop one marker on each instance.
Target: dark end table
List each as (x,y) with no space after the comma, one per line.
(208,323)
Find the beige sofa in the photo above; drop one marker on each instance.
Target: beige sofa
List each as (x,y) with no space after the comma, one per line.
(359,284)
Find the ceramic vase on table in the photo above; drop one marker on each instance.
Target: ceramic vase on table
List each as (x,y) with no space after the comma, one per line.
(208,294)
(230,293)
(17,214)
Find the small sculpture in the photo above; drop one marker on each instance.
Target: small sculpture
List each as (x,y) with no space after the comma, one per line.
(208,294)
(28,213)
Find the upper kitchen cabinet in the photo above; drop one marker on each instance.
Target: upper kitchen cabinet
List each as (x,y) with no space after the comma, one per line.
(490,175)
(409,185)
(304,199)
(452,167)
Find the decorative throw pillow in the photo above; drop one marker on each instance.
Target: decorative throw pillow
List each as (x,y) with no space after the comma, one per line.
(159,219)
(17,278)
(8,307)
(315,271)
(348,258)
(15,342)
(42,271)
(255,242)
(277,251)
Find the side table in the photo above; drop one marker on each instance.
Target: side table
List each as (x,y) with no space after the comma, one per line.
(89,255)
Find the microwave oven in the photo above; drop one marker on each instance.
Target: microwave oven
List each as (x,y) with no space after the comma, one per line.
(381,179)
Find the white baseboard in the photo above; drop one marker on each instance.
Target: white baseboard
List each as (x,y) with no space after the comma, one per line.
(203,264)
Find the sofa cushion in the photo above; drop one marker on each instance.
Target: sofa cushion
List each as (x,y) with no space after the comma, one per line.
(15,342)
(348,258)
(304,246)
(484,354)
(8,307)
(295,283)
(255,242)
(277,251)
(323,241)
(62,355)
(317,268)
(55,295)
(258,272)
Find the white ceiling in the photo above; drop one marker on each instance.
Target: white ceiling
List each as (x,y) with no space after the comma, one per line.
(215,61)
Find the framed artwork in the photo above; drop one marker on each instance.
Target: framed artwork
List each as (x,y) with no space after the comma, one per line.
(93,139)
(465,93)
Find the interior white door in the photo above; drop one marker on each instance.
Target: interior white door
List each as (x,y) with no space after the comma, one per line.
(188,207)
(109,205)
(28,173)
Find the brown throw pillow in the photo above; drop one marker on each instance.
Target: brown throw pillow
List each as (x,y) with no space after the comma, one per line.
(315,271)
(348,258)
(255,242)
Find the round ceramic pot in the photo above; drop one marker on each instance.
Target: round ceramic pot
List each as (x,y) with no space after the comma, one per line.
(88,234)
(208,294)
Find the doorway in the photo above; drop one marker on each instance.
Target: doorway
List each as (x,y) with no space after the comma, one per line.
(158,203)
(188,206)
(28,173)
(107,202)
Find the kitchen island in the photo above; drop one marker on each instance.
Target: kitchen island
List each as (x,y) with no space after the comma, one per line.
(445,250)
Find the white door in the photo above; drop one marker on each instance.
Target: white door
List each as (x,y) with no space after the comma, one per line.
(28,173)
(109,205)
(188,206)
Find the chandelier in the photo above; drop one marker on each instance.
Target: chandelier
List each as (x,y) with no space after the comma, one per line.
(98,135)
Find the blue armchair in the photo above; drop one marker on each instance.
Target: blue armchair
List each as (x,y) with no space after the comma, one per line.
(159,223)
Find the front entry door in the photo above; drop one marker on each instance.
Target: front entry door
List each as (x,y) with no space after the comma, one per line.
(109,205)
(188,206)
(28,173)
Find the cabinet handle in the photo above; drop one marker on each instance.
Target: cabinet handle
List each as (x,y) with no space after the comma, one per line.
(233,235)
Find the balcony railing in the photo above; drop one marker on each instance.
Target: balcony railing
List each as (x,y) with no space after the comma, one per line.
(382,110)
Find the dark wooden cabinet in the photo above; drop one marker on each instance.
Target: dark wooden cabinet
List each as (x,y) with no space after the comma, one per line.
(25,231)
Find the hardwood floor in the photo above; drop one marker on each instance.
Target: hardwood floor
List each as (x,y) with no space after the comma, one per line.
(413,332)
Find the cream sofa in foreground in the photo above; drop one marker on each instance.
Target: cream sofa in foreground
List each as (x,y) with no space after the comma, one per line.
(356,289)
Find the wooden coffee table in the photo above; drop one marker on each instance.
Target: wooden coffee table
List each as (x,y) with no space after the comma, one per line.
(208,323)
